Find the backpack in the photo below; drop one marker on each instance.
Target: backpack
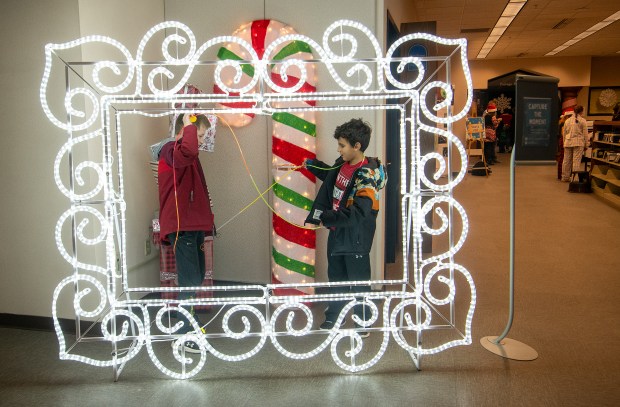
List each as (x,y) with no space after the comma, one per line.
(478,169)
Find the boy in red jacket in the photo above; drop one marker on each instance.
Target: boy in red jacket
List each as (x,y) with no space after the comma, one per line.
(185,214)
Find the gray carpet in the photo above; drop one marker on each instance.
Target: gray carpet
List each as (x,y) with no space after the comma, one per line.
(567,308)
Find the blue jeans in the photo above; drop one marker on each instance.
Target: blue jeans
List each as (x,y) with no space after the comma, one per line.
(190,264)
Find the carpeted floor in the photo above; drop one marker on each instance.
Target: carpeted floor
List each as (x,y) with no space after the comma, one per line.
(567,308)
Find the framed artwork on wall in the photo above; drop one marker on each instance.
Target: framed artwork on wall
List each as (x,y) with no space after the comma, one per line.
(601,100)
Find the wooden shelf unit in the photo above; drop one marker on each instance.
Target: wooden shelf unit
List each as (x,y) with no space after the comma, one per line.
(605,172)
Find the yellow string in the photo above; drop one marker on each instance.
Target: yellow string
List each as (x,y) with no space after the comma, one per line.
(262,194)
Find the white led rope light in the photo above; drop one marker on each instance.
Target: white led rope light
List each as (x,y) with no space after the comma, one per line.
(60,245)
(63,354)
(363,88)
(445,222)
(78,170)
(466,340)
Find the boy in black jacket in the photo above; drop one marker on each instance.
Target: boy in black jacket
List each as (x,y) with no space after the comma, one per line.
(347,204)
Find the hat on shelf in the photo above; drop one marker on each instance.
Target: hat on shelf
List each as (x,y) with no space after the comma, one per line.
(491,107)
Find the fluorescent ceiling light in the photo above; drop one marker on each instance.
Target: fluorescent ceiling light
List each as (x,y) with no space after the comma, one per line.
(504,22)
(612,18)
(513,7)
(510,12)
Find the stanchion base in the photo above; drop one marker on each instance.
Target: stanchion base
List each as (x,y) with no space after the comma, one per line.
(509,348)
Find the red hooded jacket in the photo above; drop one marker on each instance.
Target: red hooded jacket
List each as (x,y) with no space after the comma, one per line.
(191,210)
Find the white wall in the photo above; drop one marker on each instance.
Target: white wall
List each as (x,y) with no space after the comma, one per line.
(243,248)
(31,266)
(128,25)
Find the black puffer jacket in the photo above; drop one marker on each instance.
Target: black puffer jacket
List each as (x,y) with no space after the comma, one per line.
(354,222)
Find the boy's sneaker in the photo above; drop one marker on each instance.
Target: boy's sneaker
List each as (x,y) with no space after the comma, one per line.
(188,346)
(327,325)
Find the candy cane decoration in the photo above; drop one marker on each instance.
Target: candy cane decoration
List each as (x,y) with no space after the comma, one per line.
(293,140)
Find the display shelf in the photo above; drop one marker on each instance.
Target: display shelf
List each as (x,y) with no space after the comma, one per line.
(606,142)
(612,181)
(605,174)
(603,171)
(606,162)
(607,193)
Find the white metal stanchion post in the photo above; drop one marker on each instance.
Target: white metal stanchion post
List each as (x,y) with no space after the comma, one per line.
(500,345)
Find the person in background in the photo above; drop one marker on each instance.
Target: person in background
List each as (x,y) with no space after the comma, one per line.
(575,134)
(490,134)
(560,153)
(506,141)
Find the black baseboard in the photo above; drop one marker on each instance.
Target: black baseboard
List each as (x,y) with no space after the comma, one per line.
(39,323)
(35,323)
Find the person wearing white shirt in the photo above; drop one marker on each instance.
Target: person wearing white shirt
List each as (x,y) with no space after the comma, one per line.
(575,133)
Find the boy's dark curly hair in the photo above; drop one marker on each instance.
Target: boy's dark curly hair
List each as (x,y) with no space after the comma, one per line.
(355,131)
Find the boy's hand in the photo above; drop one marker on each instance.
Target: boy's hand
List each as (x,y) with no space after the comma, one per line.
(186,119)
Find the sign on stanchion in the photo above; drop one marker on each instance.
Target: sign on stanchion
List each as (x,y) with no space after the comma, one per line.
(536,128)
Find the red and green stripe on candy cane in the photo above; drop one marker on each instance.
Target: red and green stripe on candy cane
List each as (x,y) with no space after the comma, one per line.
(293,140)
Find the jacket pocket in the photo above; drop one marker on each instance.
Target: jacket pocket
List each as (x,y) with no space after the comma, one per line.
(348,241)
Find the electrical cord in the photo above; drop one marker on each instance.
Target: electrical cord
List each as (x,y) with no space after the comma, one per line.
(262,194)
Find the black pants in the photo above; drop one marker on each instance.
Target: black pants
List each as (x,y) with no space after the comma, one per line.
(190,263)
(489,151)
(346,268)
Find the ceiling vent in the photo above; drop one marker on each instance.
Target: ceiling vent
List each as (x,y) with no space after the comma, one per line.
(563,23)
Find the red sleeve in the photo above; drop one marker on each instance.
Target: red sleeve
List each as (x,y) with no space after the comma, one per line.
(186,151)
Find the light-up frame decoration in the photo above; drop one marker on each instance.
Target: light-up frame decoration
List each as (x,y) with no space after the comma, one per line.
(404,312)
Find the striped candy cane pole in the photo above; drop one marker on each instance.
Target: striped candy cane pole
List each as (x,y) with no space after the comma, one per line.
(293,140)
